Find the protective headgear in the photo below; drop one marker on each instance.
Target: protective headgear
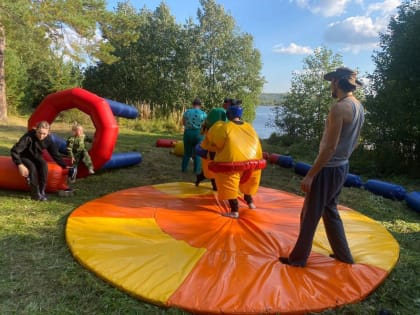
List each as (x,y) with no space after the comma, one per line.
(234,110)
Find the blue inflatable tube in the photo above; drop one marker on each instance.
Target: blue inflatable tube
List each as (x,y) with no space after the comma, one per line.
(60,143)
(302,168)
(385,189)
(353,181)
(123,160)
(413,200)
(122,110)
(285,161)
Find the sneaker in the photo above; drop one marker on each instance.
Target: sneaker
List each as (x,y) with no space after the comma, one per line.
(72,174)
(91,171)
(233,215)
(251,205)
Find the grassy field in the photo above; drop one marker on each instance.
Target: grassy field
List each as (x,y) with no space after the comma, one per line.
(38,274)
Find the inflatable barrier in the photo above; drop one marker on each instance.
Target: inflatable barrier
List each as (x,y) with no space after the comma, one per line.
(123,160)
(282,160)
(166,143)
(178,149)
(122,110)
(302,168)
(273,158)
(413,200)
(353,181)
(285,161)
(11,179)
(384,189)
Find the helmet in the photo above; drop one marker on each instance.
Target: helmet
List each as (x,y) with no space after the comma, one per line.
(234,110)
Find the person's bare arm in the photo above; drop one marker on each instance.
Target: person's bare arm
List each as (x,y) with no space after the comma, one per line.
(328,145)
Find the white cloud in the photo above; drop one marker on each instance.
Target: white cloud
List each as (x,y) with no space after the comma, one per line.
(386,7)
(292,49)
(353,30)
(324,7)
(362,32)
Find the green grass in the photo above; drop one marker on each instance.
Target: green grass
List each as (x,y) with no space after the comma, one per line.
(38,274)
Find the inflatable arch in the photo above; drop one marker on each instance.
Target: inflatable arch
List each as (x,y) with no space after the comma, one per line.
(99,111)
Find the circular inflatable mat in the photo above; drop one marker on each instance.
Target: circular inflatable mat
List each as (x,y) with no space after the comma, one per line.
(169,244)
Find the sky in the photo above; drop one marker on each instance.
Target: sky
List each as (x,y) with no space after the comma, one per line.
(287,31)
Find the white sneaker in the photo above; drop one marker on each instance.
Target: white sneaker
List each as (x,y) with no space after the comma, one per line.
(233,215)
(252,206)
(91,171)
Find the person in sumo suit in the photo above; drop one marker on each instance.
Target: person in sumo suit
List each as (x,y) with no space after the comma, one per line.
(238,158)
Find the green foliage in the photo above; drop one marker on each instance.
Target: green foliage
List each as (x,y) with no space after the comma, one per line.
(228,61)
(45,47)
(306,106)
(162,62)
(393,106)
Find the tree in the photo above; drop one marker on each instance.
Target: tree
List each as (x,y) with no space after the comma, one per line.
(3,104)
(39,37)
(170,64)
(393,106)
(306,105)
(228,61)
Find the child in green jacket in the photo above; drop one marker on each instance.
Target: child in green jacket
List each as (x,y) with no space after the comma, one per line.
(76,149)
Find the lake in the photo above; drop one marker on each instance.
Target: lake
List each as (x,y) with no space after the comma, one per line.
(262,116)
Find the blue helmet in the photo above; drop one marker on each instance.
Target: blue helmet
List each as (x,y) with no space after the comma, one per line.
(234,110)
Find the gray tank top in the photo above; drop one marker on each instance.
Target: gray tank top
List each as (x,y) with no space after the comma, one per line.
(349,136)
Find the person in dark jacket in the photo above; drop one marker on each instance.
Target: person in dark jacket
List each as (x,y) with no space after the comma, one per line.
(27,155)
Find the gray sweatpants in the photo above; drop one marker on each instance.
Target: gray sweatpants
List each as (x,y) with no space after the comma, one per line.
(322,201)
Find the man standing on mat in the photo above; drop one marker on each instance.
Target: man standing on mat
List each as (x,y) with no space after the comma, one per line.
(323,182)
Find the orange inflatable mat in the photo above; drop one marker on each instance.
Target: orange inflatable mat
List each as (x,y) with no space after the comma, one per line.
(169,244)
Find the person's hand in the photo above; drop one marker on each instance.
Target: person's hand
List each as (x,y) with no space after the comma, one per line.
(23,171)
(73,160)
(306,183)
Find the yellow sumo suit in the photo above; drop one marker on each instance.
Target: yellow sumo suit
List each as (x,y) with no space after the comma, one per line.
(238,161)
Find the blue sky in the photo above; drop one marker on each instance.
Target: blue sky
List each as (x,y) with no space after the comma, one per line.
(286,31)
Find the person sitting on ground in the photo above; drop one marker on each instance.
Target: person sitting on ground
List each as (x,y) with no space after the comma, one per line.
(76,149)
(235,142)
(27,155)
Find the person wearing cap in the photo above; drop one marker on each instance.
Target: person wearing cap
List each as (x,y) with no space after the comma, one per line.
(192,121)
(238,160)
(227,102)
(323,182)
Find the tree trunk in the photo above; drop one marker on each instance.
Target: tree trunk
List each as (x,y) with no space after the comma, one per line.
(3,104)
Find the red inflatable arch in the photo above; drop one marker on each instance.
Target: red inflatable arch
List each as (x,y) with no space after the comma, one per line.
(99,111)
